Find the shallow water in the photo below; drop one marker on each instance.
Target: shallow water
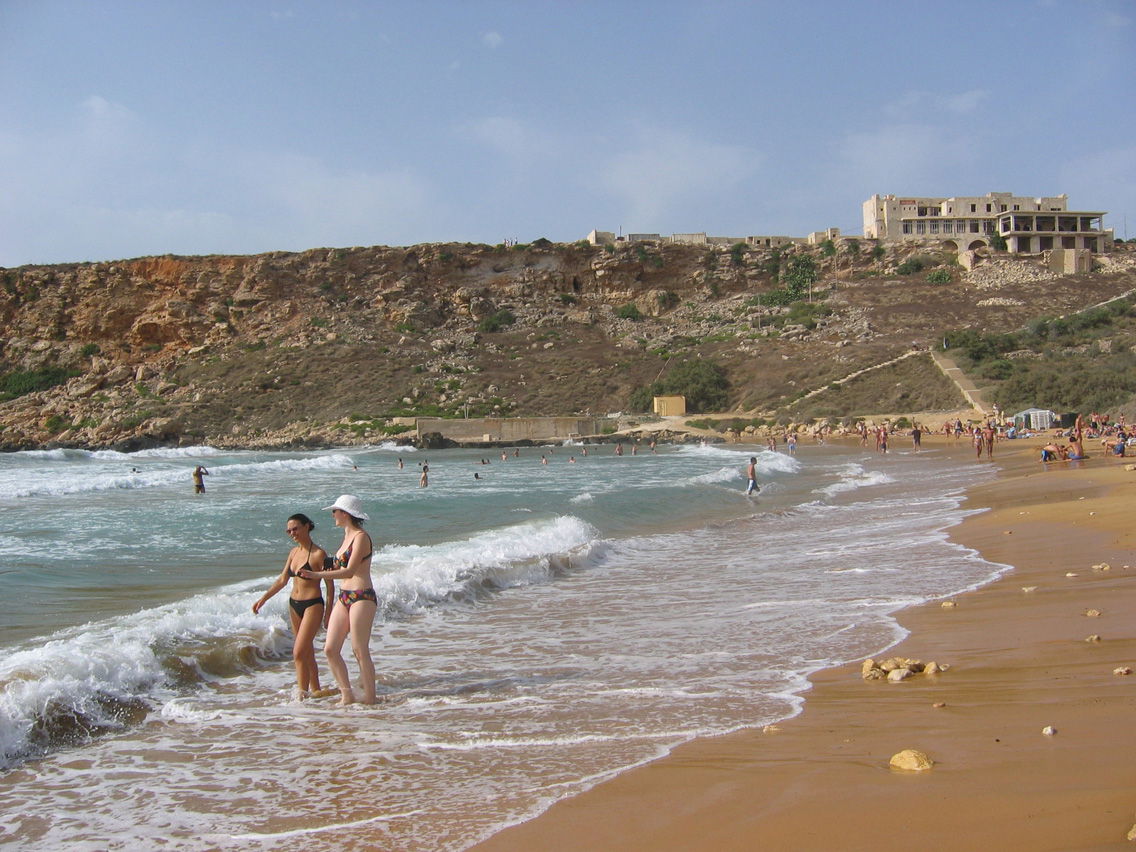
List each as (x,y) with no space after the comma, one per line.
(541,628)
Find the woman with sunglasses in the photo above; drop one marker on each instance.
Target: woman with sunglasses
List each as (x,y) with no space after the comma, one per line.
(305,604)
(355,608)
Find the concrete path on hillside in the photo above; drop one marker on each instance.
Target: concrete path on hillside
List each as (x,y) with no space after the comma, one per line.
(953,372)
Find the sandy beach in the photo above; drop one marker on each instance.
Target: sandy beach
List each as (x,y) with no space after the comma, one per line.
(1019,662)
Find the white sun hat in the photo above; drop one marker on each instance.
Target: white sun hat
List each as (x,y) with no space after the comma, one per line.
(350,504)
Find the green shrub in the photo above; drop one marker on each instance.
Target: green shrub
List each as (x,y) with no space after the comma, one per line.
(88,350)
(629,311)
(939,276)
(497,321)
(19,383)
(910,266)
(702,382)
(668,299)
(56,423)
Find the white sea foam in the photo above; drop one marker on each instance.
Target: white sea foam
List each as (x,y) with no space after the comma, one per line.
(852,477)
(84,480)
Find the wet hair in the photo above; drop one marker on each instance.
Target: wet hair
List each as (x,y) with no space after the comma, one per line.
(303,519)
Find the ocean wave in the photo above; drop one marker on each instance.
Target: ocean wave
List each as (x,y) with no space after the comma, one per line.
(202,451)
(532,552)
(106,675)
(852,477)
(725,474)
(83,481)
(87,681)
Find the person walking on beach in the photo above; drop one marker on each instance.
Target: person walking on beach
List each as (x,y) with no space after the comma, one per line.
(355,608)
(988,439)
(306,606)
(199,473)
(751,475)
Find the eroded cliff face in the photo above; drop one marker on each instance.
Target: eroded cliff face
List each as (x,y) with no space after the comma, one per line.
(318,347)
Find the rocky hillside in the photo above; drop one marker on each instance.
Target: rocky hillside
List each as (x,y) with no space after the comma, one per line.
(324,346)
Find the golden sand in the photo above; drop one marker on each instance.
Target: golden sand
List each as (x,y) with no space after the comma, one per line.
(1030,729)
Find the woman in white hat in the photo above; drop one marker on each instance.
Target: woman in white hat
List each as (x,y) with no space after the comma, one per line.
(355,608)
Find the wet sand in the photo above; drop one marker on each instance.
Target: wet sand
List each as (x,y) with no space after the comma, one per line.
(1019,662)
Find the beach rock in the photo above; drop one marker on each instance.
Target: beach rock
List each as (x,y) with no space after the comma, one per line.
(1103,566)
(1092,613)
(1094,638)
(948,604)
(1122,670)
(939,704)
(932,668)
(1070,573)
(1132,833)
(896,675)
(867,667)
(1028,589)
(1049,731)
(911,760)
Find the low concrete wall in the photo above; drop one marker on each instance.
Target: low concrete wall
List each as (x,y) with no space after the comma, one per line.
(512,429)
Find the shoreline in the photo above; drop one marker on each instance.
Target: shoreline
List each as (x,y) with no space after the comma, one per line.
(1019,662)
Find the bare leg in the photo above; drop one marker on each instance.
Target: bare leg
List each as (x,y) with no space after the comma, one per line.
(362,615)
(333,648)
(303,652)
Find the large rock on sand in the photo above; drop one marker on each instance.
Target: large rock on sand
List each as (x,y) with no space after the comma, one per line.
(911,760)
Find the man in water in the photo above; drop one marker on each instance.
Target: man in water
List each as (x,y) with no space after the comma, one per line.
(751,475)
(198,481)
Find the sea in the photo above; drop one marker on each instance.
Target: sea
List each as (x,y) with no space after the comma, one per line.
(549,617)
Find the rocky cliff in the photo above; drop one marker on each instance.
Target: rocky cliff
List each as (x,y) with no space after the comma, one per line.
(325,346)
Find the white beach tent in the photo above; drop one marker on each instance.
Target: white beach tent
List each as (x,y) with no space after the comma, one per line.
(1034,418)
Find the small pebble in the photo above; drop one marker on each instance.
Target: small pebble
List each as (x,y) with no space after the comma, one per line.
(1028,589)
(1122,670)
(1094,638)
(938,704)
(1049,731)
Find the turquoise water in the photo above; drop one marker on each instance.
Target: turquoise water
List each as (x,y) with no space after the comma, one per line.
(541,627)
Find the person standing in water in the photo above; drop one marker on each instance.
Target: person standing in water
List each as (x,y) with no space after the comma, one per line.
(751,475)
(199,473)
(305,604)
(355,608)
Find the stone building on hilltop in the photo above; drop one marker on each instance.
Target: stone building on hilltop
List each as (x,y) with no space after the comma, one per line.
(1028,225)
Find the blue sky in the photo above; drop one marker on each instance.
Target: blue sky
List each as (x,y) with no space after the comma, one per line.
(140,128)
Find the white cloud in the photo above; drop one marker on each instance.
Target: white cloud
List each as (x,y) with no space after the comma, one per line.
(905,157)
(915,105)
(665,172)
(515,140)
(492,39)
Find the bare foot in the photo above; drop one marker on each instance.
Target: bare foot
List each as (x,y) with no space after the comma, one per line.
(347,698)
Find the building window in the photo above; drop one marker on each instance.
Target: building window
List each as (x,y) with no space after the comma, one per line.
(920,227)
(1016,207)
(948,227)
(907,227)
(934,227)
(974,208)
(1001,208)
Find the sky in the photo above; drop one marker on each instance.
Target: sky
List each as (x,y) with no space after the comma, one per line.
(146,127)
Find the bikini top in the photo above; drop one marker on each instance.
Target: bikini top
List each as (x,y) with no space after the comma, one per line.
(327,563)
(341,561)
